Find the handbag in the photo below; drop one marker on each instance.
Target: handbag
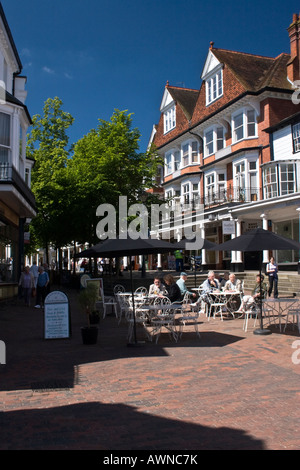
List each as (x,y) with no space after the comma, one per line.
(33,293)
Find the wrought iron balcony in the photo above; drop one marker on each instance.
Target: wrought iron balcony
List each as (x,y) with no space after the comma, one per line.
(9,175)
(231,194)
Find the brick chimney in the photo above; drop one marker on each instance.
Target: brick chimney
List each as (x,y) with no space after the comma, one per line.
(293,66)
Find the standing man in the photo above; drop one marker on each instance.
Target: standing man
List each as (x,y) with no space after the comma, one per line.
(272,272)
(35,272)
(179,260)
(41,288)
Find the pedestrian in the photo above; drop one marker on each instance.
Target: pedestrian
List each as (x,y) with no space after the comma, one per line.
(27,283)
(272,272)
(178,260)
(41,288)
(35,272)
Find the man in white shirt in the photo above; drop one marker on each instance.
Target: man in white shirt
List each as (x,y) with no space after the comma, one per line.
(35,272)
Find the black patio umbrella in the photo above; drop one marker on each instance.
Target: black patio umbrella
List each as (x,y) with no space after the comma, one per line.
(259,239)
(202,243)
(115,248)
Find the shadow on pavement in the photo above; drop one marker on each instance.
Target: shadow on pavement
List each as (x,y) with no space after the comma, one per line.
(96,426)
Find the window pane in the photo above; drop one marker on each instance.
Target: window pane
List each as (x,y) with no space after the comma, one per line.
(220,85)
(195,152)
(220,138)
(168,163)
(209,148)
(3,155)
(5,129)
(296,137)
(251,123)
(238,127)
(214,87)
(177,160)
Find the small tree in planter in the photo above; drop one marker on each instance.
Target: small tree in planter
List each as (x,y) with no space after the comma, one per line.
(87,300)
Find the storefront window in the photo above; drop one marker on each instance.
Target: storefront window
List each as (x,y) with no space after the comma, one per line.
(288,229)
(8,253)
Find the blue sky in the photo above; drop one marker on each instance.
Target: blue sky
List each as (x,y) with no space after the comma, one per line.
(101,55)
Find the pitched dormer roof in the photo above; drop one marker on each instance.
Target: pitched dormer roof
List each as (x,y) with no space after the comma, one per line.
(255,72)
(185,98)
(10,38)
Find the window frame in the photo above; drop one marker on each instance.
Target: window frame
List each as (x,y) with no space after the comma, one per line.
(5,146)
(170,118)
(214,142)
(277,185)
(188,154)
(214,86)
(245,125)
(296,141)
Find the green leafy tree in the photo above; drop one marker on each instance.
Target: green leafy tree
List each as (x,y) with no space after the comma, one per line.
(48,145)
(107,164)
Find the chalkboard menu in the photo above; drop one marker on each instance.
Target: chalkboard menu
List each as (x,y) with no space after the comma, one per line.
(57,322)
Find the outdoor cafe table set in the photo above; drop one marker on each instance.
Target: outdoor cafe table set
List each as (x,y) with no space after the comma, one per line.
(150,311)
(157,312)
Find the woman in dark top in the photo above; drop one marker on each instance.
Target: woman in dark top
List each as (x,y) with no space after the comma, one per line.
(173,291)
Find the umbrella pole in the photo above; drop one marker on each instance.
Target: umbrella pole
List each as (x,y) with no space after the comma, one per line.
(261,330)
(195,268)
(135,343)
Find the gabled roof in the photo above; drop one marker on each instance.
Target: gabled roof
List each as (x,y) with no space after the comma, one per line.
(186,98)
(10,37)
(255,72)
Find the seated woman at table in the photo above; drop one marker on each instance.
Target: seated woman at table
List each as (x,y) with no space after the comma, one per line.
(233,284)
(248,300)
(173,290)
(157,288)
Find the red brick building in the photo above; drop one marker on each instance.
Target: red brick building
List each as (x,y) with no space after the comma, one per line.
(231,150)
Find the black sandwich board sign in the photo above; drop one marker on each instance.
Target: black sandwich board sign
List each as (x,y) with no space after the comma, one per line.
(57,321)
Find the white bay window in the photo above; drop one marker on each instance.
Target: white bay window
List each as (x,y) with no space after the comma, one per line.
(244,125)
(280,179)
(213,140)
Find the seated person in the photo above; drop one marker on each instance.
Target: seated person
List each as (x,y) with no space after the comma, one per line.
(208,287)
(173,291)
(181,283)
(224,279)
(249,300)
(157,288)
(211,283)
(233,284)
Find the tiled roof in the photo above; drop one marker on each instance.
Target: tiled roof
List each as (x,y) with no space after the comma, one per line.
(255,72)
(186,98)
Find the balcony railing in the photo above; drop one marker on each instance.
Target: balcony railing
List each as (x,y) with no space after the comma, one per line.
(8,174)
(231,194)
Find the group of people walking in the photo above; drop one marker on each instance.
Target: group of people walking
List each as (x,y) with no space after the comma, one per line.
(34,283)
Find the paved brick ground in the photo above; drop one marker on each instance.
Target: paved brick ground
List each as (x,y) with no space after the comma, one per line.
(227,390)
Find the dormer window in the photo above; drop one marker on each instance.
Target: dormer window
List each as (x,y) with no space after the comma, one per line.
(214,87)
(169,119)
